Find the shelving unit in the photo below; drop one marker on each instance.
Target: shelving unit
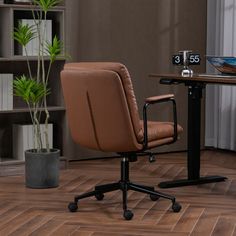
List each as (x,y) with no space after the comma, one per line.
(11,61)
(11,14)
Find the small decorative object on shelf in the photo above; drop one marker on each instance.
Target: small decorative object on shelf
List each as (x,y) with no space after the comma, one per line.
(18,1)
(6,96)
(8,1)
(186,58)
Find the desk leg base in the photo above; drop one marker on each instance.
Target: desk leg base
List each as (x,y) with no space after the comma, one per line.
(188,182)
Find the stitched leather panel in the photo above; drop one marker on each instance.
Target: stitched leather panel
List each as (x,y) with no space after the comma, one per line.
(127,83)
(97,110)
(161,130)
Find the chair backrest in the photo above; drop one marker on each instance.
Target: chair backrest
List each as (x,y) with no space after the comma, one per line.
(101,106)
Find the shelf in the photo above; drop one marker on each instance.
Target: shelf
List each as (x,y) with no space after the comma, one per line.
(4,59)
(9,161)
(10,167)
(25,110)
(30,58)
(13,62)
(28,6)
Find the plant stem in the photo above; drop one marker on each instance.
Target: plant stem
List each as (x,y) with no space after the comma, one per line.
(43,48)
(49,69)
(37,22)
(37,115)
(32,118)
(46,129)
(28,64)
(38,131)
(45,80)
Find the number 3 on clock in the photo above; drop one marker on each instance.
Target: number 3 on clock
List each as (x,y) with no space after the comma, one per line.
(177,60)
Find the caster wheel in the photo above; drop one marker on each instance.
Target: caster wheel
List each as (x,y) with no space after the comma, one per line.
(99,196)
(128,215)
(152,158)
(176,207)
(72,207)
(154,197)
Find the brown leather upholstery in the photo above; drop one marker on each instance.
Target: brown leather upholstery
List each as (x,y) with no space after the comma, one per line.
(97,109)
(121,70)
(160,133)
(102,109)
(159,98)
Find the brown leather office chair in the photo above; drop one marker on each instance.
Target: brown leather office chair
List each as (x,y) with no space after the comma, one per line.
(103,115)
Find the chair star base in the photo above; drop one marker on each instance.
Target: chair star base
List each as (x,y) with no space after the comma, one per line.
(124,185)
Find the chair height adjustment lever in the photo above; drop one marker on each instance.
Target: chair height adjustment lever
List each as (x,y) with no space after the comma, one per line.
(166,81)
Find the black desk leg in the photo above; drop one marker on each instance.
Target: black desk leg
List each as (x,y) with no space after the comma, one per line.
(194,127)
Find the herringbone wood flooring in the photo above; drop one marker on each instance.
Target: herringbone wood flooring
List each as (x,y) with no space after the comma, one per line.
(207,209)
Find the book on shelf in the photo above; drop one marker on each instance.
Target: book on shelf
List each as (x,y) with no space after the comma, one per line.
(6,88)
(25,2)
(32,47)
(20,141)
(23,139)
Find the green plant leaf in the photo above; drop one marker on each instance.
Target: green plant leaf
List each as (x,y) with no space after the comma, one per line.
(24,33)
(54,49)
(46,5)
(31,91)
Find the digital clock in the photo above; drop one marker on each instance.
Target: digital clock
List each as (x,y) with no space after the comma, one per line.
(192,59)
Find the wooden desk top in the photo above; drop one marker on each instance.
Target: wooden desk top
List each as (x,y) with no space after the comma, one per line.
(200,78)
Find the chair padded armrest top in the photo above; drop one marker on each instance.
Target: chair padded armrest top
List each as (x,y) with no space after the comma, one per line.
(159,98)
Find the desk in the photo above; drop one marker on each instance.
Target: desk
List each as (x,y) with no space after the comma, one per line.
(196,84)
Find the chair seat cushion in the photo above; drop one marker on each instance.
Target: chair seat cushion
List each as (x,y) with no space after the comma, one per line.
(160,133)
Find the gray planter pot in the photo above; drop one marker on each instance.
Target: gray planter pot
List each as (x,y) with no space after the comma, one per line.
(42,169)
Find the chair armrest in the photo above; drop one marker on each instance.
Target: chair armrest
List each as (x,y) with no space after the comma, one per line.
(154,100)
(160,98)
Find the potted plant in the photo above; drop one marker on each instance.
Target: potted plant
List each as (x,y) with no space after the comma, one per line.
(41,163)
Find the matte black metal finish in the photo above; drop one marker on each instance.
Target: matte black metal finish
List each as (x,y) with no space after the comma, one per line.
(124,185)
(194,126)
(145,119)
(187,182)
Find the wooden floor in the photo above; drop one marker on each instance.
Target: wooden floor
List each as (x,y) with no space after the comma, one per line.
(206,210)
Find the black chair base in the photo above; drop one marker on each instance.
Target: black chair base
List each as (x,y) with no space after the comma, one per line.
(124,185)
